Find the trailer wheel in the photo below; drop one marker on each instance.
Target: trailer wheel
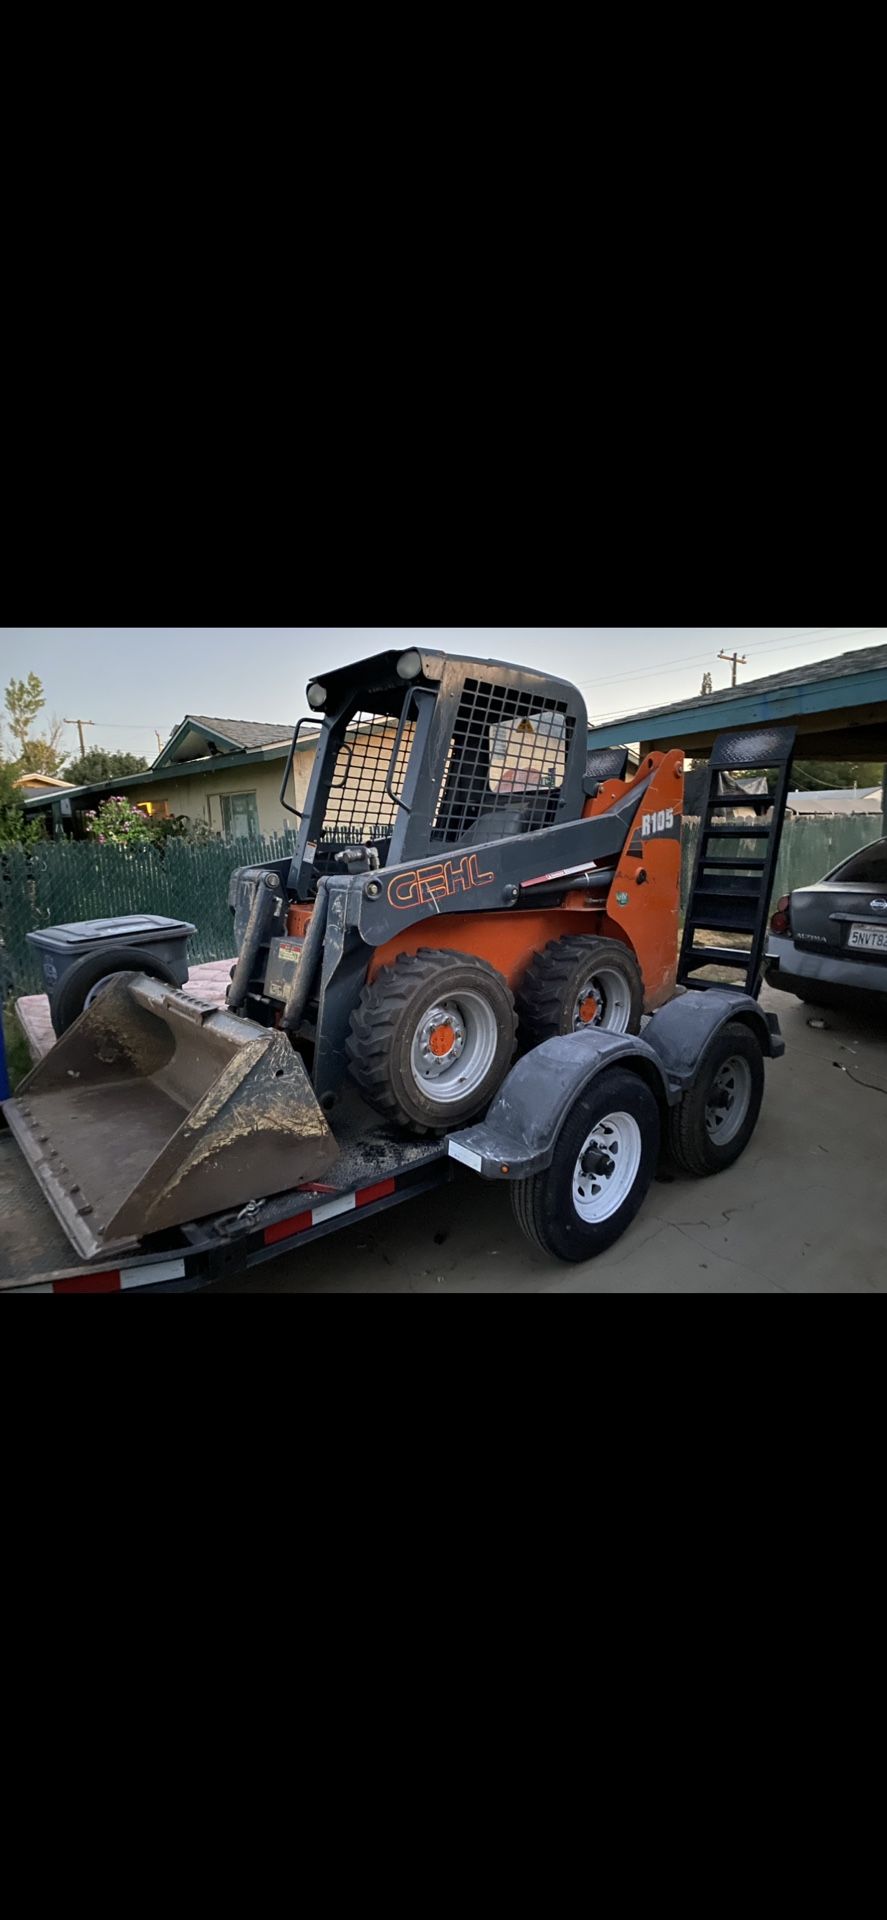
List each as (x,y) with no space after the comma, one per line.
(431,1038)
(715,1120)
(580,982)
(603,1164)
(85,979)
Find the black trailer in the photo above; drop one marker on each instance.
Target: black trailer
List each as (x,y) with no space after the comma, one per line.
(576,1131)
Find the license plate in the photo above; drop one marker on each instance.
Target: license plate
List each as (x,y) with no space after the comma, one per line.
(873,939)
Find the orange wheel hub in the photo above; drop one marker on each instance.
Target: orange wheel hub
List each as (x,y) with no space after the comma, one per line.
(589,1009)
(441,1039)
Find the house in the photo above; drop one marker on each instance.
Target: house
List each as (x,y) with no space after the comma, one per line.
(226,773)
(836,801)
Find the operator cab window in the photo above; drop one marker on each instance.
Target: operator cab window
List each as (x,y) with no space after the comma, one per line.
(529,754)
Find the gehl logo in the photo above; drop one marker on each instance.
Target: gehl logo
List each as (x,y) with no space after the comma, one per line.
(425,884)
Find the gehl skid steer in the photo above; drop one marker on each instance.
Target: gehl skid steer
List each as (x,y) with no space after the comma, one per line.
(468,884)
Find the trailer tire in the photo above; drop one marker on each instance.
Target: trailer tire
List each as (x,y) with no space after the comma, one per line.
(403,1017)
(569,1211)
(714,1122)
(69,997)
(577,982)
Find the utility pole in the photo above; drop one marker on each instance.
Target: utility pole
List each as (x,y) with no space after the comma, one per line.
(80,724)
(737,659)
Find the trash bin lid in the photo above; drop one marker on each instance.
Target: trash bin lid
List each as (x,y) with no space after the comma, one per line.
(126,929)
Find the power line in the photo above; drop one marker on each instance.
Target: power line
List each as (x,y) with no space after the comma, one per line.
(690,659)
(647,673)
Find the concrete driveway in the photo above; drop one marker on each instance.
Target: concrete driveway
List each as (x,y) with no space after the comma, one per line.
(803,1211)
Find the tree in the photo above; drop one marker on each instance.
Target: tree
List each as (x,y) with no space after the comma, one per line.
(43,755)
(97,765)
(24,699)
(16,829)
(807,774)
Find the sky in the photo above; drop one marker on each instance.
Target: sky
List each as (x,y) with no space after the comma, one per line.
(137,682)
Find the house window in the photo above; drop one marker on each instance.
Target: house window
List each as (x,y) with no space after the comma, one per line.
(240,816)
(155,809)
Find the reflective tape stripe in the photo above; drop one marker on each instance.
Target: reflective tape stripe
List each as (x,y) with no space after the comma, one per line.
(345,1203)
(328,1210)
(465,1154)
(149,1276)
(379,1192)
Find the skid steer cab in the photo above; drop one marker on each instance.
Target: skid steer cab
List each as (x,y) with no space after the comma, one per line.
(467,881)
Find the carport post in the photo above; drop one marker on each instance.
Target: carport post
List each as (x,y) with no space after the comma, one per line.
(884,801)
(4,1077)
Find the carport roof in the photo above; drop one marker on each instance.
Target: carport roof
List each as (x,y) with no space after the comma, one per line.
(839,707)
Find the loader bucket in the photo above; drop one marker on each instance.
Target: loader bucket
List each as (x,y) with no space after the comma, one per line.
(154,1109)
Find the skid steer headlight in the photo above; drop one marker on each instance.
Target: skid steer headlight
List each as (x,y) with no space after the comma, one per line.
(316,695)
(409,664)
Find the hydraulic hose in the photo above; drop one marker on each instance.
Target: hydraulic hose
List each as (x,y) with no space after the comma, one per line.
(309,964)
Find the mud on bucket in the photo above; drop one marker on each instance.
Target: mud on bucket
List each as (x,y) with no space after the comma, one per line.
(154,1109)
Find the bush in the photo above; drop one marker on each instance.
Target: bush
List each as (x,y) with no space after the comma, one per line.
(119,824)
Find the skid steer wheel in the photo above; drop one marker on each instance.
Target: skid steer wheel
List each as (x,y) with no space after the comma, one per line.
(84,981)
(716,1118)
(432,1037)
(580,982)
(603,1163)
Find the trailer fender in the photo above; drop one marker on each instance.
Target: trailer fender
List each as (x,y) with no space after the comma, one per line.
(520,1132)
(680,1032)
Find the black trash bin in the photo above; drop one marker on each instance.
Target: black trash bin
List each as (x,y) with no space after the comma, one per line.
(81,955)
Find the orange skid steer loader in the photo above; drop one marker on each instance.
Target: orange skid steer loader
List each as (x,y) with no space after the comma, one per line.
(465,879)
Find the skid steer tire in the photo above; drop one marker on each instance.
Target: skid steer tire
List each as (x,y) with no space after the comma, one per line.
(577,982)
(69,997)
(574,1209)
(715,1120)
(432,1038)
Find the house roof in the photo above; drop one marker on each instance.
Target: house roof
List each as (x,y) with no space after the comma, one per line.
(245,733)
(40,780)
(836,800)
(201,736)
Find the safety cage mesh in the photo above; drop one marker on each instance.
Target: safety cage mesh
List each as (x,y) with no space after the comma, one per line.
(359,811)
(509,751)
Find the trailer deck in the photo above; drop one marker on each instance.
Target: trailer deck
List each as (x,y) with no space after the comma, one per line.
(376,1169)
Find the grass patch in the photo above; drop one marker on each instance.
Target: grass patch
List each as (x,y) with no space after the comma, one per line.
(18,1059)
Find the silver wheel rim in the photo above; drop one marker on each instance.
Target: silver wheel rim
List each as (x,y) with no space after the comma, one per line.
(447,1072)
(611,990)
(99,987)
(728,1098)
(607,1167)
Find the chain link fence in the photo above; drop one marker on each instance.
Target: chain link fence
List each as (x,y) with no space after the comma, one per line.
(78,880)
